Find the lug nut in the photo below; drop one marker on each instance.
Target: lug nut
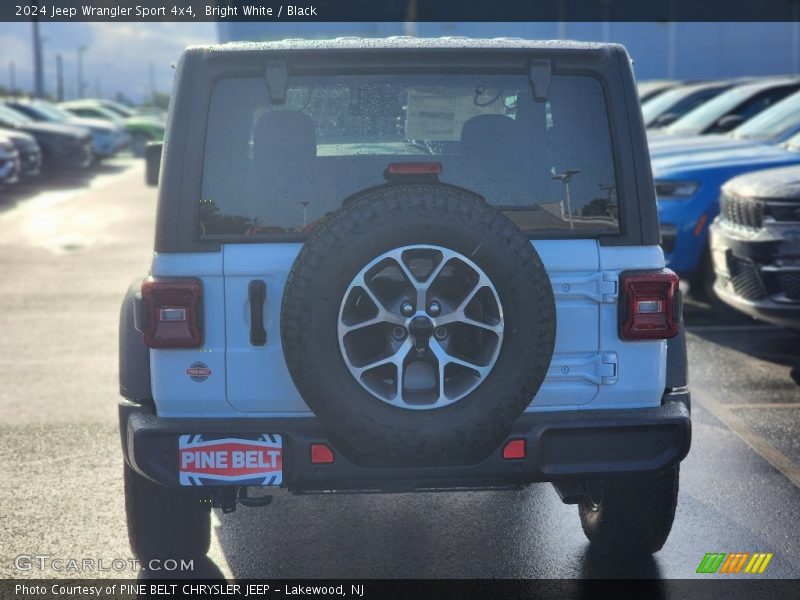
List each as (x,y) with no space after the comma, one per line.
(399,333)
(407,309)
(434,309)
(440,333)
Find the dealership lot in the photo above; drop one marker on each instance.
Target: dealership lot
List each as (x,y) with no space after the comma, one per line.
(69,251)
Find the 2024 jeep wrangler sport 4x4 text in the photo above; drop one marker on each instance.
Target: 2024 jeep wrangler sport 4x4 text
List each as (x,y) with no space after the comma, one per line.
(399,265)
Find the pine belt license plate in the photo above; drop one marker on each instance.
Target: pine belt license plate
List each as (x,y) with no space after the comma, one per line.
(210,460)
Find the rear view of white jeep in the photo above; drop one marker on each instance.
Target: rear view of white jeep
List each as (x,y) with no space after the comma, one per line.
(403,265)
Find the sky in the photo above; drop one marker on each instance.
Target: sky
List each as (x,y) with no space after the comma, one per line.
(117,59)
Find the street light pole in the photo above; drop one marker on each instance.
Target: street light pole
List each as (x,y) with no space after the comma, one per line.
(152,82)
(569,205)
(606,11)
(81,85)
(59,78)
(565,178)
(38,67)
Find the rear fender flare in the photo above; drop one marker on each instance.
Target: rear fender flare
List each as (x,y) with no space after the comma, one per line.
(134,356)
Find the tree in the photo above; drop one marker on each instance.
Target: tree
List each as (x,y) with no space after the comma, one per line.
(599,207)
(160,100)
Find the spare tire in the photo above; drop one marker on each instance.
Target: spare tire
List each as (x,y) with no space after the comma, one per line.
(418,323)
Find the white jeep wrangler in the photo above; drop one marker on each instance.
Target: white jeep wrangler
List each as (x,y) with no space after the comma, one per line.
(400,265)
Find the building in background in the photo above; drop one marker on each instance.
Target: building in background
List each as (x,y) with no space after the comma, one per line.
(659,50)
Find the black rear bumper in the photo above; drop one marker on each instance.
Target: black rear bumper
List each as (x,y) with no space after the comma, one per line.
(560,446)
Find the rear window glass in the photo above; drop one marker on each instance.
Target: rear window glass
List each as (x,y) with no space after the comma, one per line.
(279,168)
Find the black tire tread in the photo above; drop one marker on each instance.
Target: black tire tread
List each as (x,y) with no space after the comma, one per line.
(165,522)
(402,203)
(635,514)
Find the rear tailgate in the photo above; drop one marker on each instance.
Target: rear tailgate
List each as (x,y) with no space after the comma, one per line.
(591,366)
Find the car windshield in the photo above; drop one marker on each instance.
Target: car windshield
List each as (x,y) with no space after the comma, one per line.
(773,123)
(9,116)
(47,112)
(279,167)
(647,88)
(709,112)
(92,111)
(793,143)
(659,105)
(118,109)
(52,111)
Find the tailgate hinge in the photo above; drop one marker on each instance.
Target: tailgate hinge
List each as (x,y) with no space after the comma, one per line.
(600,369)
(600,287)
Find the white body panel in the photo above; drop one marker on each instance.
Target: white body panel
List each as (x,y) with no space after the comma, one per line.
(591,367)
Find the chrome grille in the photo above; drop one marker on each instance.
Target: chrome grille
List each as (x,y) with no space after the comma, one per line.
(742,212)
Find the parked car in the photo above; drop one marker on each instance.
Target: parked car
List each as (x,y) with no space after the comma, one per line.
(774,125)
(651,88)
(755,245)
(9,162)
(141,129)
(733,107)
(688,189)
(154,112)
(64,147)
(107,138)
(118,108)
(670,106)
(30,155)
(426,306)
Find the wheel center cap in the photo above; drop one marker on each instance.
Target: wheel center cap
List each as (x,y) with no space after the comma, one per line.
(421,329)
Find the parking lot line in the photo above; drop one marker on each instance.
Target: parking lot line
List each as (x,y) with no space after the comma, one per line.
(766,450)
(755,405)
(701,328)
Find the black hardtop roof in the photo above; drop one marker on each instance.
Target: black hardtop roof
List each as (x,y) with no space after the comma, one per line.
(405,43)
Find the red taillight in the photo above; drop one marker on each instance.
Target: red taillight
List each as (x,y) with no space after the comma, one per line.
(649,305)
(513,450)
(173,308)
(321,454)
(414,168)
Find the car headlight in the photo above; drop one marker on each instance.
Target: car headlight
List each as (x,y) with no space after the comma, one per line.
(666,190)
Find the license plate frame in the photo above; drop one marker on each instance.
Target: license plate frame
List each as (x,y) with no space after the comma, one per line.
(233,459)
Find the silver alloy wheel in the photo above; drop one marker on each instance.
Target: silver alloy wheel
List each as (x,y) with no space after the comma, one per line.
(435,351)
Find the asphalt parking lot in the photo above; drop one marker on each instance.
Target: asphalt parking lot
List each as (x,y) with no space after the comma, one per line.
(68,252)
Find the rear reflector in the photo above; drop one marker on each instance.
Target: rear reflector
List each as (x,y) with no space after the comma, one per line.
(321,454)
(650,307)
(514,449)
(414,168)
(173,308)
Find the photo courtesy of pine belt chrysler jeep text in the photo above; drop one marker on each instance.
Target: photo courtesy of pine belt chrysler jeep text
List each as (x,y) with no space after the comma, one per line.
(403,265)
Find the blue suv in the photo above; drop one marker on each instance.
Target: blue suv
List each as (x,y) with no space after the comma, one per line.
(688,189)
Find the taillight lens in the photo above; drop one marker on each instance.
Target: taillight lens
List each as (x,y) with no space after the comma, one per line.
(173,308)
(650,305)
